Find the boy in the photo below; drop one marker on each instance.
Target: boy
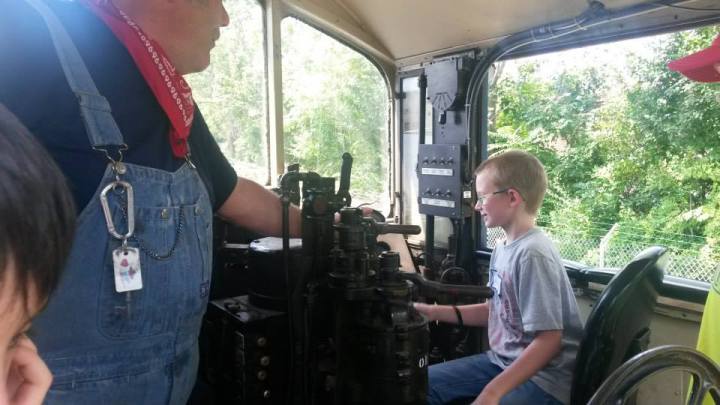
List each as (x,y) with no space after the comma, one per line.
(37,217)
(533,324)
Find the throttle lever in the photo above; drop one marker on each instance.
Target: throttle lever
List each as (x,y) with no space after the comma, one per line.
(344,188)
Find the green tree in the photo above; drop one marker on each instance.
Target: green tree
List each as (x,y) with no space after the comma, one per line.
(335,101)
(632,148)
(231,92)
(552,120)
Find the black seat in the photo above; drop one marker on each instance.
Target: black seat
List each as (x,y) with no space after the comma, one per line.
(618,326)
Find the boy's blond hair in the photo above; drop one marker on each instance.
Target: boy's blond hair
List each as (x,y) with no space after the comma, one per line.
(521,171)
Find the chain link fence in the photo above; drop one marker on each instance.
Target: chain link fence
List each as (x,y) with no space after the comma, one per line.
(615,250)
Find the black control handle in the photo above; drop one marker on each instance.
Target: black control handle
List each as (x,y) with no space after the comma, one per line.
(397,228)
(433,288)
(345,169)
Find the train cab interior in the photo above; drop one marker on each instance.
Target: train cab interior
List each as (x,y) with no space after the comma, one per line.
(328,318)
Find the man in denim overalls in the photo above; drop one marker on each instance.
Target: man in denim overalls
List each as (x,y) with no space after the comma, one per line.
(100,84)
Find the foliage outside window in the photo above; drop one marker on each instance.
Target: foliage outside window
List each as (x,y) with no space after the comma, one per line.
(231,92)
(632,152)
(335,101)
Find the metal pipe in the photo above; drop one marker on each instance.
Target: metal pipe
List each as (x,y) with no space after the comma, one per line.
(595,14)
(285,202)
(422,86)
(429,219)
(433,288)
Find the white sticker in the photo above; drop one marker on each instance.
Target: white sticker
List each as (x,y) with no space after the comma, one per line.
(437,203)
(436,172)
(126,263)
(495,282)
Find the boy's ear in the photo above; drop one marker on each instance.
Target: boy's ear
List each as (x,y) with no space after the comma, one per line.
(515,198)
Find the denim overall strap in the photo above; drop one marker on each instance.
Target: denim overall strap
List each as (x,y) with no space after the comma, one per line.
(94,108)
(139,347)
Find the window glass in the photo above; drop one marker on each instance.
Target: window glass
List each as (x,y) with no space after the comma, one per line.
(629,146)
(410,102)
(231,92)
(335,101)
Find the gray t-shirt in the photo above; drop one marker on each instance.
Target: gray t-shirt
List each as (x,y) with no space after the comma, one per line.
(532,294)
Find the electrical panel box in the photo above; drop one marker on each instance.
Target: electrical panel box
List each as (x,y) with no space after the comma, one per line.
(442,185)
(244,352)
(447,82)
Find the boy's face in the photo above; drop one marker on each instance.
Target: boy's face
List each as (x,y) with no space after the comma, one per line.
(493,202)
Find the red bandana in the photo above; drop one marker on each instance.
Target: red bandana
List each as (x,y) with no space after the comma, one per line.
(170,89)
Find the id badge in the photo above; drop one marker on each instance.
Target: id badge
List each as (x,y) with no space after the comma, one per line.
(126,263)
(496,282)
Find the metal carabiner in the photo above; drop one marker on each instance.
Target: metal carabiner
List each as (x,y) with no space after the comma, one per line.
(130,209)
(189,161)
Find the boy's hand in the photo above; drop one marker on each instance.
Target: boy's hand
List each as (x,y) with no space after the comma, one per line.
(489,396)
(425,309)
(28,378)
(486,398)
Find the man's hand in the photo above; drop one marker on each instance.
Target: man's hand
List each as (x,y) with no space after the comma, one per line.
(367,212)
(28,378)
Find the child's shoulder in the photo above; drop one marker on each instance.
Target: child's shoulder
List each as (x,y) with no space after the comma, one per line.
(535,238)
(537,243)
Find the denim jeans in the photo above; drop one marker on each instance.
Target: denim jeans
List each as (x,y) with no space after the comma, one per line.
(460,381)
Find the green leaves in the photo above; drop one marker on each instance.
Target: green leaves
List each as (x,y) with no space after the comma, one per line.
(635,147)
(231,92)
(336,102)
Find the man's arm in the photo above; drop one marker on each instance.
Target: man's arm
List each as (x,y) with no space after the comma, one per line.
(253,207)
(539,352)
(472,315)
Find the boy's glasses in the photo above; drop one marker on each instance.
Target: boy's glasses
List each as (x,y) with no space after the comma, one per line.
(482,198)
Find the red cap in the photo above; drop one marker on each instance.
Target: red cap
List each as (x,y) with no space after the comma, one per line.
(700,66)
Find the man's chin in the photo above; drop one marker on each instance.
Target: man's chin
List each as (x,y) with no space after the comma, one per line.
(197,67)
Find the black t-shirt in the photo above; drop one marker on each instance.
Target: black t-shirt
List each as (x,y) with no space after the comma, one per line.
(33,86)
